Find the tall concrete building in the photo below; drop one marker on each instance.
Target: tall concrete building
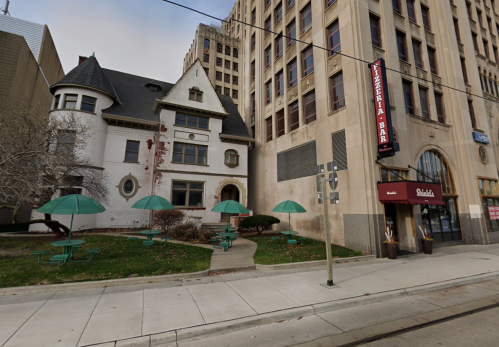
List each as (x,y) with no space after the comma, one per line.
(29,64)
(307,106)
(221,59)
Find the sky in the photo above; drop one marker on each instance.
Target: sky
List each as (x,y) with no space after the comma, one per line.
(148,38)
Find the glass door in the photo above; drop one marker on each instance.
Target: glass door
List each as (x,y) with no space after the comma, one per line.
(442,220)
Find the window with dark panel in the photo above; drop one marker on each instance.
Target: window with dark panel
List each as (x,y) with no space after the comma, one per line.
(472,114)
(333,33)
(292,73)
(235,80)
(408,97)
(340,149)
(268,92)
(227,78)
(465,72)
(337,91)
(253,103)
(132,151)
(227,91)
(309,107)
(235,66)
(70,101)
(279,87)
(268,129)
(294,116)
(220,48)
(411,11)
(186,153)
(235,94)
(187,194)
(252,70)
(306,18)
(268,25)
(278,13)
(329,2)
(219,61)
(401,45)
(66,140)
(191,121)
(253,42)
(57,99)
(268,56)
(227,64)
(297,162)
(291,33)
(375,30)
(308,60)
(280,130)
(279,46)
(425,107)
(439,104)
(418,56)
(456,30)
(218,75)
(425,13)
(396,6)
(486,48)
(432,57)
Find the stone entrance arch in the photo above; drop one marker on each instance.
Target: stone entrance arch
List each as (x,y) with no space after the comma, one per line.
(238,184)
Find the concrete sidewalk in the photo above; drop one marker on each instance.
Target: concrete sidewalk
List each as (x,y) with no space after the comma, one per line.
(161,314)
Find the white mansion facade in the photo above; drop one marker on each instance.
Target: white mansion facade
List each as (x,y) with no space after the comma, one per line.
(181,141)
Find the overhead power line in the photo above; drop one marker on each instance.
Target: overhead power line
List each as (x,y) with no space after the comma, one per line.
(326,49)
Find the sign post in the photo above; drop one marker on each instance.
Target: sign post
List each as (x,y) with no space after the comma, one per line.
(329,255)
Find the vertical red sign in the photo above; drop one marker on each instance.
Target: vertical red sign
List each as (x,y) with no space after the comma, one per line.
(386,146)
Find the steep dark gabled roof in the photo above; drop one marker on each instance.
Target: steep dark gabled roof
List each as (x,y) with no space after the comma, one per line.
(233,124)
(136,100)
(88,74)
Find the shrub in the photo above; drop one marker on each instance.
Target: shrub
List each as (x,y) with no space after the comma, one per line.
(189,232)
(259,222)
(166,219)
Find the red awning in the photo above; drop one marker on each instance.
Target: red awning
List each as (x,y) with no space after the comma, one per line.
(410,192)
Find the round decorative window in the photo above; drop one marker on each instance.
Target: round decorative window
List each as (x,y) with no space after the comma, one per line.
(128,187)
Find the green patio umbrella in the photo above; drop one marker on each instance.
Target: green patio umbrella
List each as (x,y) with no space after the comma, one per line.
(229,207)
(70,205)
(289,207)
(153,202)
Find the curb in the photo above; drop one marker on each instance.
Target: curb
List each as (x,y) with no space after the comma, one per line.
(172,338)
(100,284)
(299,265)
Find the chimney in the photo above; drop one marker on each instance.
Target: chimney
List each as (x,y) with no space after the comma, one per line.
(81,59)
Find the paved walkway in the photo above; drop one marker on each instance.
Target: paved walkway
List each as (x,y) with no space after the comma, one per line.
(95,316)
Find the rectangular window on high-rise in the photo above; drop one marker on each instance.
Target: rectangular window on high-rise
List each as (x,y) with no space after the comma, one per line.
(252,70)
(472,114)
(496,55)
(396,6)
(278,46)
(425,13)
(418,56)
(408,98)
(401,45)
(268,25)
(268,129)
(306,17)
(486,48)
(375,31)
(411,11)
(279,83)
(465,72)
(278,13)
(253,16)
(333,33)
(268,92)
(253,41)
(308,60)
(252,103)
(291,33)
(292,73)
(475,41)
(423,98)
(432,57)
(439,104)
(309,107)
(268,56)
(456,29)
(294,116)
(337,91)
(280,130)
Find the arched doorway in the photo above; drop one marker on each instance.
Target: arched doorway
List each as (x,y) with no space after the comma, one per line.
(442,221)
(229,192)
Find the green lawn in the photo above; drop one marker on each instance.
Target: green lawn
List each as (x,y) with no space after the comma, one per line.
(117,260)
(269,253)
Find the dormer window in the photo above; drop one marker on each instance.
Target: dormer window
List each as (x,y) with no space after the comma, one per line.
(195,94)
(153,87)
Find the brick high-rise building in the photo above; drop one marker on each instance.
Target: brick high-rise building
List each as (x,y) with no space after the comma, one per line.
(307,106)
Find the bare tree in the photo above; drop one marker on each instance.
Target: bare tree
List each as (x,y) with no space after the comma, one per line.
(41,156)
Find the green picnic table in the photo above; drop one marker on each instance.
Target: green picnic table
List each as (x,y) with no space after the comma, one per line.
(289,233)
(227,237)
(68,246)
(150,233)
